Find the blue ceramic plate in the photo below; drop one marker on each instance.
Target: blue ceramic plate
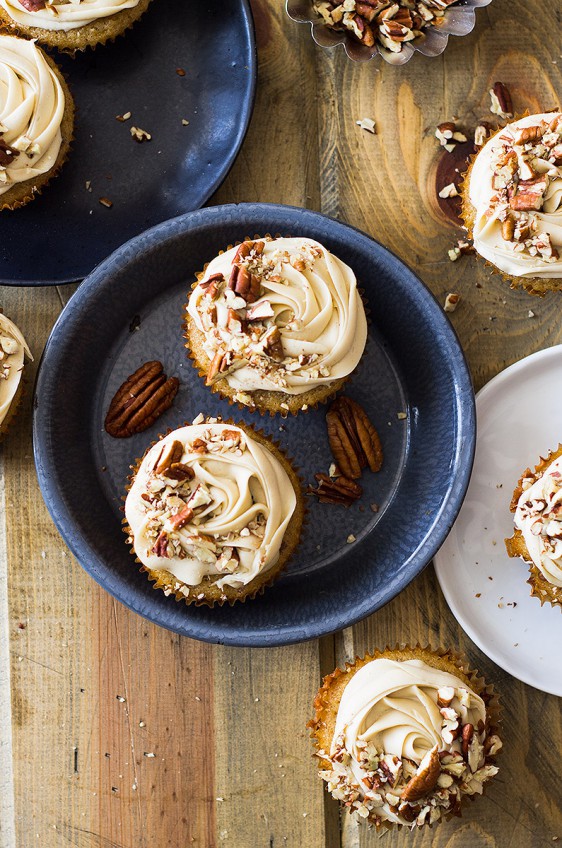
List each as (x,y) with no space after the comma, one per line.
(130,310)
(64,233)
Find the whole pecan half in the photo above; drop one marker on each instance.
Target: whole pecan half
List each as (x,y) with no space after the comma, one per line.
(354,441)
(340,490)
(142,398)
(424,779)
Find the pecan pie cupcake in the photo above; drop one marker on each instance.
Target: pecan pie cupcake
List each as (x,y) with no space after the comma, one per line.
(512,202)
(214,512)
(71,25)
(405,735)
(13,351)
(537,504)
(276,324)
(36,121)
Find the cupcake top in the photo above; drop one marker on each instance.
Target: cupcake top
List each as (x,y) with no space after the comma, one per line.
(13,349)
(279,315)
(515,187)
(63,15)
(539,518)
(410,740)
(208,501)
(32,105)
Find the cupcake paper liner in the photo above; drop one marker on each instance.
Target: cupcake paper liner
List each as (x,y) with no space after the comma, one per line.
(20,194)
(207,593)
(516,547)
(327,700)
(259,400)
(98,33)
(537,286)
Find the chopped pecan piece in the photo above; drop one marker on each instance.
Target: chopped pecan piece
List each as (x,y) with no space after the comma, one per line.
(273,344)
(180,471)
(501,100)
(168,456)
(161,545)
(142,398)
(524,135)
(220,364)
(529,194)
(181,518)
(354,441)
(424,779)
(7,154)
(339,491)
(33,5)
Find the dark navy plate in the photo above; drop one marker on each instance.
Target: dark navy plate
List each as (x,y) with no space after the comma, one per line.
(350,561)
(64,233)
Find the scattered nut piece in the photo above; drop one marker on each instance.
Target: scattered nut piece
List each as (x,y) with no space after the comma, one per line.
(124,117)
(351,539)
(354,441)
(451,302)
(449,191)
(180,72)
(530,314)
(142,398)
(105,201)
(454,254)
(335,491)
(185,122)
(367,124)
(501,101)
(88,185)
(140,135)
(401,416)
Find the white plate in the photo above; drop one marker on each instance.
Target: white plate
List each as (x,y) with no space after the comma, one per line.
(519,417)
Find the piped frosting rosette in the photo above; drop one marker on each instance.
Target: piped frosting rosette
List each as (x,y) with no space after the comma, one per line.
(537,504)
(63,15)
(409,740)
(515,191)
(13,350)
(279,316)
(209,511)
(32,106)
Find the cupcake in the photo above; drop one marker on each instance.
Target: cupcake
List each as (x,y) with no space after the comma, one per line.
(71,25)
(276,324)
(405,735)
(512,202)
(214,512)
(36,121)
(537,504)
(13,350)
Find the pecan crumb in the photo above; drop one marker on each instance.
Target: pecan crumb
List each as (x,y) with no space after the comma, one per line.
(451,302)
(501,101)
(335,491)
(367,124)
(449,191)
(124,117)
(180,72)
(140,135)
(105,201)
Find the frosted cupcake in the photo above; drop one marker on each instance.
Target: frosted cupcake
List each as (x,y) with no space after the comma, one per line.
(276,324)
(13,350)
(71,25)
(36,121)
(537,508)
(405,735)
(512,202)
(214,512)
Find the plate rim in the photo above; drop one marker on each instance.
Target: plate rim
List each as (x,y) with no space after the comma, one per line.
(440,570)
(222,173)
(464,445)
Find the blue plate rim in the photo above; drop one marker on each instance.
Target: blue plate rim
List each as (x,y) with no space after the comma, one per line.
(243,125)
(464,453)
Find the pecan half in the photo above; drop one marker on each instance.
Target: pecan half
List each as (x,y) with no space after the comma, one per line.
(143,397)
(501,100)
(424,779)
(339,491)
(354,441)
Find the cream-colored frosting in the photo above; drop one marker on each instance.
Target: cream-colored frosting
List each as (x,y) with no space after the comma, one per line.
(539,518)
(389,724)
(243,501)
(490,211)
(315,306)
(65,14)
(13,349)
(32,105)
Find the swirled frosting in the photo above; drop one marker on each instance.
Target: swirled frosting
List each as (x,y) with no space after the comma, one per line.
(279,315)
(409,741)
(13,349)
(208,501)
(32,105)
(539,518)
(63,14)
(516,191)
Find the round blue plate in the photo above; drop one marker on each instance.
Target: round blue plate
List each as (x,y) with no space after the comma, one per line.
(64,233)
(350,561)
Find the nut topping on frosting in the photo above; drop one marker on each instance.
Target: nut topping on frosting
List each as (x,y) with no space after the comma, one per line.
(208,501)
(31,110)
(13,350)
(397,755)
(516,190)
(279,315)
(63,14)
(539,518)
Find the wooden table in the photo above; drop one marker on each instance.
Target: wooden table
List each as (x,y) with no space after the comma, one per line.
(121,735)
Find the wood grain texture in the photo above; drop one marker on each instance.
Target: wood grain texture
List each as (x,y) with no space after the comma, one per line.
(74,652)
